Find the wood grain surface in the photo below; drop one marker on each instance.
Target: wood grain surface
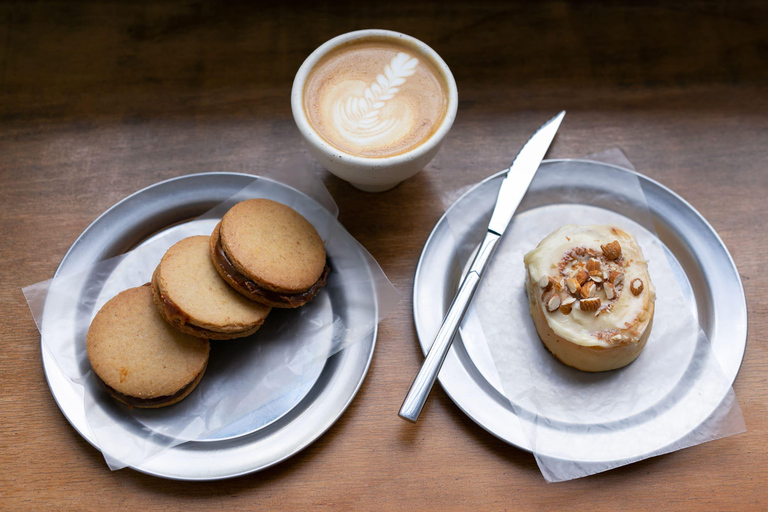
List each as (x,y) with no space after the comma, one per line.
(101,99)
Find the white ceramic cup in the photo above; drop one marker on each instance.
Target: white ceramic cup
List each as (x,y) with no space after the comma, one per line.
(368,173)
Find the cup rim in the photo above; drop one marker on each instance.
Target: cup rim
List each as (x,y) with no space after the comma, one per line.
(311,135)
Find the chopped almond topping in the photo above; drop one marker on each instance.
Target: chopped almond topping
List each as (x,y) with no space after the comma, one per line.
(611,250)
(588,290)
(581,277)
(553,304)
(591,304)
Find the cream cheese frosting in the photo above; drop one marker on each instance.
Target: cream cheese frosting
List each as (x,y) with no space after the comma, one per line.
(622,285)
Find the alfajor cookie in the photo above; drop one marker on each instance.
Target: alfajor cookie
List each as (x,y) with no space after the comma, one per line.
(140,358)
(190,294)
(591,296)
(269,253)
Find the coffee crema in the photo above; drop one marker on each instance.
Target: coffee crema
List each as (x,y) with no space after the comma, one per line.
(375,98)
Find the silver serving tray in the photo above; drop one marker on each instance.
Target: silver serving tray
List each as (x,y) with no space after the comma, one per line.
(702,264)
(274,432)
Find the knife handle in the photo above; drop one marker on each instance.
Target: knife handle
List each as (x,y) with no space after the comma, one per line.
(425,379)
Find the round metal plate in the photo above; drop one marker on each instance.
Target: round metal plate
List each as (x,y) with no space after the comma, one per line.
(704,268)
(274,432)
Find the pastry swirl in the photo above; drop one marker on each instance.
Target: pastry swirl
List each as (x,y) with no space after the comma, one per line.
(590,296)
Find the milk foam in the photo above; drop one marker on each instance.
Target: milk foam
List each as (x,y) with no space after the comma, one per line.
(375,98)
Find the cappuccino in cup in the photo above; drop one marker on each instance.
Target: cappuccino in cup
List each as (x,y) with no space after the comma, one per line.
(375,97)
(374,106)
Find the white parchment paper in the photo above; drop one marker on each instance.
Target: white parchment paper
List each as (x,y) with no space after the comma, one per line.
(577,423)
(273,368)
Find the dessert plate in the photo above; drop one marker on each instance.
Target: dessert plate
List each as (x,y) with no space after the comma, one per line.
(276,430)
(700,261)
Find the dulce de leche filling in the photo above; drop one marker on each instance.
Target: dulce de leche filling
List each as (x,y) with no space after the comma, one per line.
(177,316)
(173,312)
(145,402)
(288,299)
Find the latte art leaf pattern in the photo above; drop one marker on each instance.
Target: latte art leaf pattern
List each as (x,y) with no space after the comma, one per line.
(358,117)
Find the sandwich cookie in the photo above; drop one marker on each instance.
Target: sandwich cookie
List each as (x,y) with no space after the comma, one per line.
(189,294)
(140,358)
(590,296)
(269,253)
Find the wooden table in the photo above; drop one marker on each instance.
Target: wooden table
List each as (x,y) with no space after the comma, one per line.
(100,99)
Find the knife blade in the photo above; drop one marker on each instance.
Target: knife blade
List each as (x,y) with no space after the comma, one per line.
(513,187)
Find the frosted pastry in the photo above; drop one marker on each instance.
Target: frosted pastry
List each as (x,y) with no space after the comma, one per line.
(590,296)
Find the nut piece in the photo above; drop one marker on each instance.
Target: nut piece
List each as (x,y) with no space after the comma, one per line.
(546,282)
(612,250)
(553,304)
(588,290)
(596,276)
(616,277)
(617,338)
(567,301)
(566,309)
(591,304)
(573,285)
(581,277)
(593,264)
(636,287)
(610,291)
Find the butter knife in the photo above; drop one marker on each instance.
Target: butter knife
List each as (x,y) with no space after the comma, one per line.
(513,188)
